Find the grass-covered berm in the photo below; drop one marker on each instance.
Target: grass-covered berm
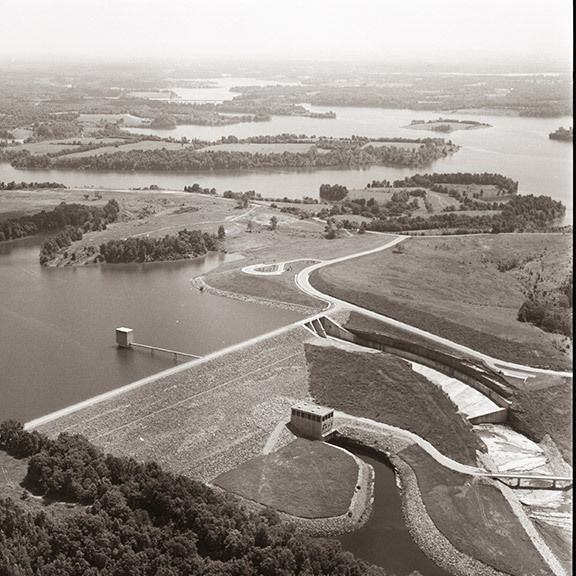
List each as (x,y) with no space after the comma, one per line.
(385,389)
(469,290)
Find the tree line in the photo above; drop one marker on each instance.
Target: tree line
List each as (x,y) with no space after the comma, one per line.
(134,518)
(185,244)
(78,216)
(486,178)
(29,185)
(191,158)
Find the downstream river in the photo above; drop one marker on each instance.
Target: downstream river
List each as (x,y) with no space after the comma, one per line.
(384,540)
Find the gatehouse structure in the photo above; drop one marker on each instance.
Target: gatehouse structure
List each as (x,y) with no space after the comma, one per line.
(312,420)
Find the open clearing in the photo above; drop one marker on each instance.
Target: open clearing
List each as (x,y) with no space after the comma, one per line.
(141,145)
(306,479)
(257,148)
(453,287)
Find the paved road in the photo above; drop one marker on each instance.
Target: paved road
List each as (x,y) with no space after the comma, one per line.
(510,368)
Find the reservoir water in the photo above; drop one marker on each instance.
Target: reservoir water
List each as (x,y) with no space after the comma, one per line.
(514,146)
(57,325)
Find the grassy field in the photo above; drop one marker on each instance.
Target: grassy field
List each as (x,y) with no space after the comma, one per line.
(142,212)
(453,287)
(406,145)
(294,239)
(544,406)
(50,146)
(474,515)
(100,119)
(384,388)
(280,288)
(436,200)
(306,479)
(142,145)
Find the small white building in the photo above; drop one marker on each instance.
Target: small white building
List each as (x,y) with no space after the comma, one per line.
(312,420)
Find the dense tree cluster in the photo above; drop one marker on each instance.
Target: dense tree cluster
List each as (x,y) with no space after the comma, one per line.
(6,135)
(430,180)
(197,189)
(550,308)
(336,153)
(85,218)
(520,214)
(185,244)
(29,185)
(137,519)
(56,129)
(52,246)
(565,134)
(333,193)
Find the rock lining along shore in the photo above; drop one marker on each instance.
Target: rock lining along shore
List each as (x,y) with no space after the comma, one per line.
(357,515)
(200,284)
(420,525)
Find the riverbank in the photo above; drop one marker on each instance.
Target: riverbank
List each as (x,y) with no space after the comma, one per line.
(487,554)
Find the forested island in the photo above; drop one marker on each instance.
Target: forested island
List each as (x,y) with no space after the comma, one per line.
(124,517)
(280,152)
(563,134)
(446,125)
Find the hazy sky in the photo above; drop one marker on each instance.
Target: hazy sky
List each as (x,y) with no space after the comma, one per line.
(429,30)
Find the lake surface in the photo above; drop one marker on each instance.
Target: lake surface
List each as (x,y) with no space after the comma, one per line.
(514,146)
(57,340)
(384,540)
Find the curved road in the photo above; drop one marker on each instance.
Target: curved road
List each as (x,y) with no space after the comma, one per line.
(510,368)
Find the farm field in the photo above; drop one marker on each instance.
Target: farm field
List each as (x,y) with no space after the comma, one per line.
(59,145)
(406,145)
(257,148)
(141,145)
(305,478)
(466,289)
(125,119)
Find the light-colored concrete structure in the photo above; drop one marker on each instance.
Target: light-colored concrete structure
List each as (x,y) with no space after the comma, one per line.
(124,337)
(311,420)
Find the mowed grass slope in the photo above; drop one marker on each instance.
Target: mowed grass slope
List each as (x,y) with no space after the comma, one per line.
(543,406)
(384,388)
(474,515)
(306,479)
(453,287)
